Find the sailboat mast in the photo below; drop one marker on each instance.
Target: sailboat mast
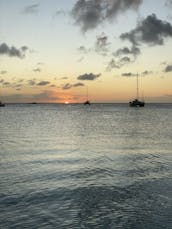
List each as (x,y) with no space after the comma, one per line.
(137,87)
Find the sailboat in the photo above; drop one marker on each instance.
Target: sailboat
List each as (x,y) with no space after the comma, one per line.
(2,104)
(87,102)
(136,102)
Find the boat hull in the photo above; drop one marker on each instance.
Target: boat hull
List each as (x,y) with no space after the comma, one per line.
(137,103)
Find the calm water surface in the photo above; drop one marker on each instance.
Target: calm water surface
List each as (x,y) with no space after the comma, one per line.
(74,166)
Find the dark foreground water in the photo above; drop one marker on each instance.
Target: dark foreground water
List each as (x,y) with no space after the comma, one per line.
(74,166)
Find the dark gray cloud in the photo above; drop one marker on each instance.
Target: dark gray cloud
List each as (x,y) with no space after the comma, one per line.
(7,84)
(88,76)
(151,31)
(88,14)
(69,86)
(78,85)
(168,68)
(135,51)
(12,51)
(128,74)
(31,9)
(43,83)
(102,44)
(124,60)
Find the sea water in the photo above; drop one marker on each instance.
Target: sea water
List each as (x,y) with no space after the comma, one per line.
(75,166)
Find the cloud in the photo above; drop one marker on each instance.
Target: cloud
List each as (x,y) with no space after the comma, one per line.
(112,64)
(31,9)
(37,70)
(168,3)
(124,60)
(88,14)
(89,76)
(83,50)
(3,72)
(12,51)
(135,51)
(128,74)
(102,44)
(151,31)
(168,68)
(146,72)
(5,83)
(60,12)
(43,83)
(31,82)
(118,63)
(80,59)
(78,85)
(69,86)
(44,96)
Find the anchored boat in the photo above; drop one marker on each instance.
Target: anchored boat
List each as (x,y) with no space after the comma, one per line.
(136,102)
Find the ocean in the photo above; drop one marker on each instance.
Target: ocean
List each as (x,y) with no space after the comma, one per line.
(75,166)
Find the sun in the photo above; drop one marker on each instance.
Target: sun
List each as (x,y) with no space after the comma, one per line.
(66,102)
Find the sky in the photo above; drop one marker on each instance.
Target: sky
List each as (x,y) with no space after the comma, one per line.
(54,51)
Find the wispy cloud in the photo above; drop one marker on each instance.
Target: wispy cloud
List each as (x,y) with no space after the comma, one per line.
(32,82)
(69,86)
(118,63)
(60,12)
(37,70)
(3,72)
(102,44)
(43,83)
(31,9)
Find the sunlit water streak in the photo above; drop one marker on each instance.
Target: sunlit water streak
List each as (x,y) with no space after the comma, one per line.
(75,166)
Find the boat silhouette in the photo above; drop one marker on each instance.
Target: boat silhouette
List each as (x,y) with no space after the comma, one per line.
(87,102)
(2,104)
(136,102)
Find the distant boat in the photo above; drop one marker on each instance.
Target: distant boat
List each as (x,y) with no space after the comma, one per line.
(2,104)
(87,102)
(136,102)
